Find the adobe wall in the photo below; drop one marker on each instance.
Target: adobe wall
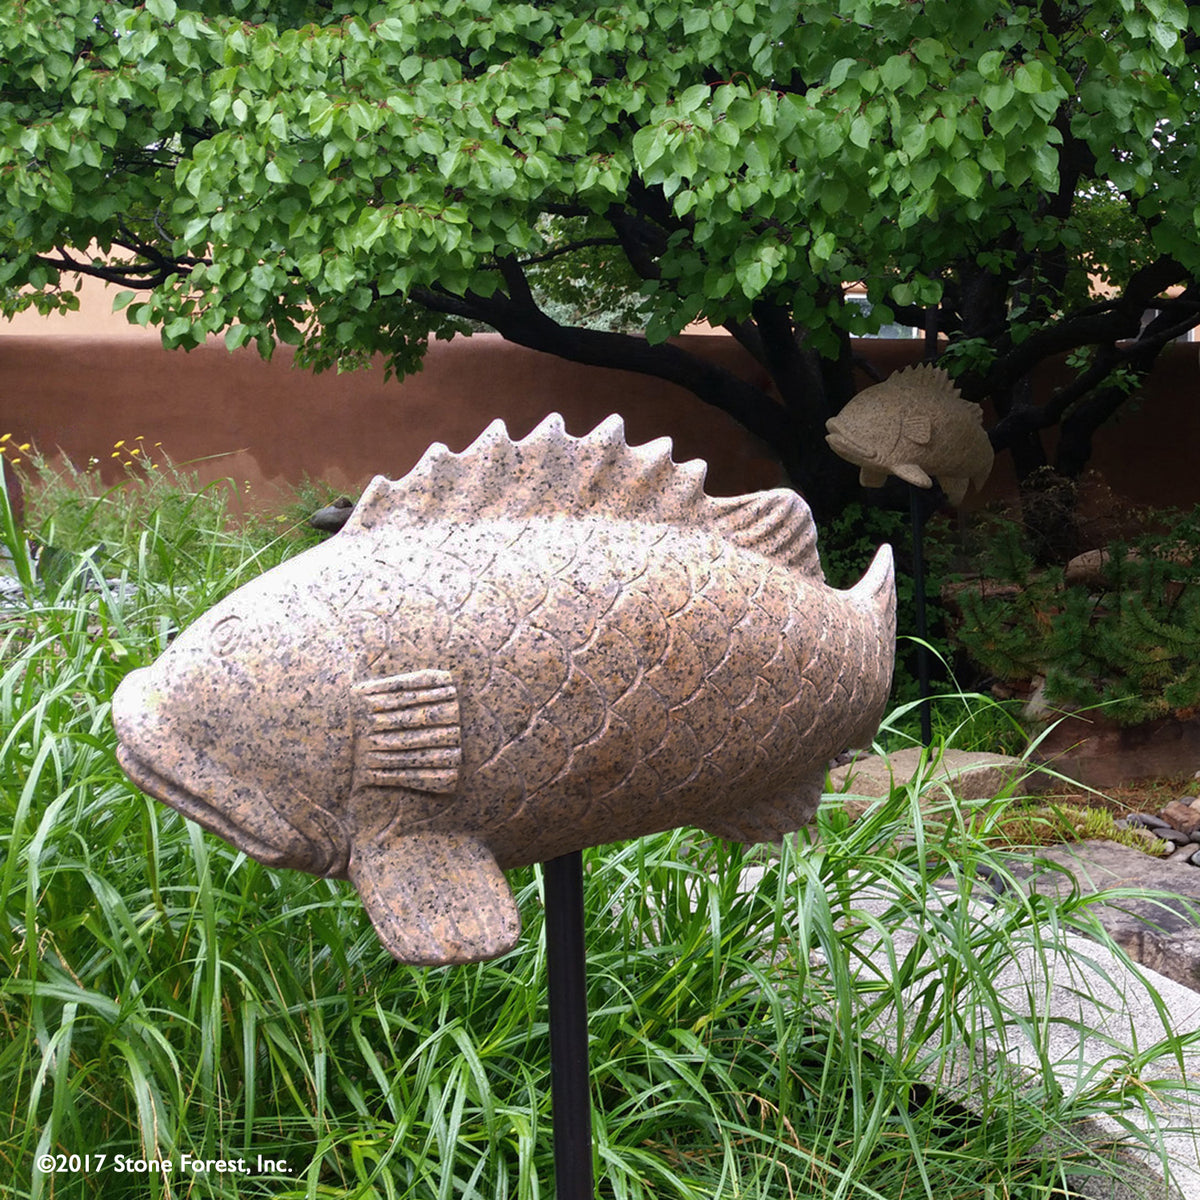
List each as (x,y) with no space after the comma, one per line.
(234,415)
(269,424)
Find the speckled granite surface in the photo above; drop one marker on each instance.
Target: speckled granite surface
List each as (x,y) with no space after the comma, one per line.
(512,653)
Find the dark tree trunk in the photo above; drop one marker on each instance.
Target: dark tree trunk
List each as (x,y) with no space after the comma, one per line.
(812,389)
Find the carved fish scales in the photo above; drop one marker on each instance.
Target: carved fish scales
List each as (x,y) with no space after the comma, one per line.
(512,653)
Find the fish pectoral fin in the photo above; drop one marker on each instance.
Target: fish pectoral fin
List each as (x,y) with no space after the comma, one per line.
(872,477)
(436,898)
(407,732)
(913,474)
(918,428)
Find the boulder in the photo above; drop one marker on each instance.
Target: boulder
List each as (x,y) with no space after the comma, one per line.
(1095,750)
(966,774)
(1160,933)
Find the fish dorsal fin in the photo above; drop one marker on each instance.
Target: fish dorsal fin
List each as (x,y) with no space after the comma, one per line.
(930,383)
(552,473)
(407,732)
(925,378)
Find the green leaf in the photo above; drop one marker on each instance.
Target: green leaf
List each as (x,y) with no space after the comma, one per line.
(833,194)
(966,177)
(1032,77)
(841,69)
(944,132)
(861,131)
(896,71)
(996,95)
(929,51)
(990,63)
(391,29)
(237,336)
(649,145)
(164,10)
(822,248)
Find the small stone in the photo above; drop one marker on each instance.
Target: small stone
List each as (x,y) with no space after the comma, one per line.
(1145,820)
(1195,803)
(1194,858)
(333,516)
(1182,816)
(1182,853)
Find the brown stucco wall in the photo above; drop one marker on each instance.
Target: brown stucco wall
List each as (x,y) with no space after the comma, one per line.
(269,424)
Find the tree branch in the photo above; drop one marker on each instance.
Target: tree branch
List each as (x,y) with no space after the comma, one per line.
(1120,318)
(640,239)
(569,248)
(138,275)
(519,320)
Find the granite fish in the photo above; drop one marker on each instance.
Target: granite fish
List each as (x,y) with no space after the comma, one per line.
(915,424)
(512,653)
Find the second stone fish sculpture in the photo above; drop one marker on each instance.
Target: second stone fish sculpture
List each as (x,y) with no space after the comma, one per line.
(915,424)
(512,653)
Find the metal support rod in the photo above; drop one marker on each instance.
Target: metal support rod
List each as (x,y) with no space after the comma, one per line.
(918,555)
(566,970)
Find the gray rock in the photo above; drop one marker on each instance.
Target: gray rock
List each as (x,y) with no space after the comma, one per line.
(1182,816)
(1147,821)
(1093,1002)
(333,516)
(1162,933)
(968,774)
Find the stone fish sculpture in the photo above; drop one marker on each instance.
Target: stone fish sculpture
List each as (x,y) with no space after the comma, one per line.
(510,654)
(915,424)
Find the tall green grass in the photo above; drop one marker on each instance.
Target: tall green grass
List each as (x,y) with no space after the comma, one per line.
(163,995)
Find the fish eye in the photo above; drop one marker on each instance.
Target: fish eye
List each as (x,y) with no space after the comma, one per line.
(226,633)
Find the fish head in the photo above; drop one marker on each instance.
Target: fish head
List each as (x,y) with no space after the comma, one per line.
(242,724)
(864,434)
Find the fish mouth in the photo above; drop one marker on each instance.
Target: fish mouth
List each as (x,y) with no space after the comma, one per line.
(197,809)
(167,767)
(846,447)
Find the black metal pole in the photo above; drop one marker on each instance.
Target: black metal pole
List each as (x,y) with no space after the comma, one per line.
(566,971)
(918,553)
(918,544)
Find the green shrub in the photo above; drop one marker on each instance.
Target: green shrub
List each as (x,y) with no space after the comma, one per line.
(1129,642)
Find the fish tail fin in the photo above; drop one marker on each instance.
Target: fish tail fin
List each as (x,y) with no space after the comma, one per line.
(874,598)
(875,592)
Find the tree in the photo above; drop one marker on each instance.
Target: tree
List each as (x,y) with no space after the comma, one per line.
(353,177)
